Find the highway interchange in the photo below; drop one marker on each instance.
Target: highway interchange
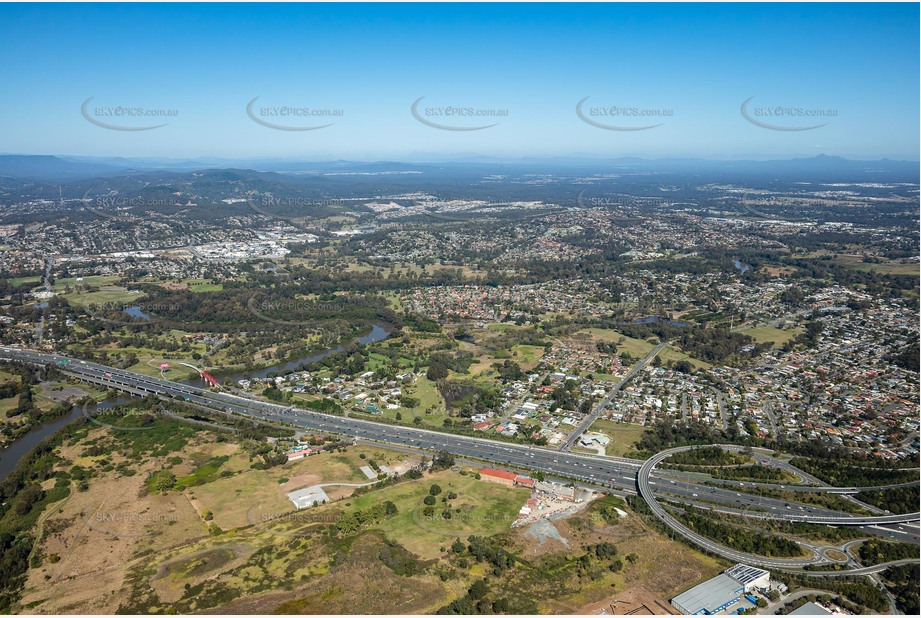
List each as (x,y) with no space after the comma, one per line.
(648,493)
(619,475)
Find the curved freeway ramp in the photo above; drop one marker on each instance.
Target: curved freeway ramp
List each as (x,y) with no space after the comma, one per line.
(646,492)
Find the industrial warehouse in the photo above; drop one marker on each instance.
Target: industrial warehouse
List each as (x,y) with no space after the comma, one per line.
(720,594)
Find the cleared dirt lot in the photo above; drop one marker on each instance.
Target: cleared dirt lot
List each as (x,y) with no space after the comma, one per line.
(633,602)
(87,539)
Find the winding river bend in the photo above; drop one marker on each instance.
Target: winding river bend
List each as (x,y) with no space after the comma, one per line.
(378,333)
(11,455)
(22,446)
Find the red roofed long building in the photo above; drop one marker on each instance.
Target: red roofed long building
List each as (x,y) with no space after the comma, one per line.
(498,476)
(505,478)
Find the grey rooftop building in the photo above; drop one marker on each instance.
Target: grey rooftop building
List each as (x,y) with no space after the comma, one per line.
(721,592)
(809,609)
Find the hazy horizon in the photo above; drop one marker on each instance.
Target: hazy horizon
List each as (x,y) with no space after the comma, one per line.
(447,81)
(460,158)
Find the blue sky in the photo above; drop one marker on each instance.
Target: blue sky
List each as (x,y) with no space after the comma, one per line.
(370,62)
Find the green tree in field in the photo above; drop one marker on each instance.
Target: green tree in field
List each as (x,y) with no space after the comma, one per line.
(162,481)
(28,498)
(436,371)
(442,461)
(478,590)
(434,490)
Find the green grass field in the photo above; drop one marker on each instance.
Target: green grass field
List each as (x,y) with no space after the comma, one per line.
(203,285)
(527,355)
(763,334)
(480,508)
(149,358)
(233,499)
(638,348)
(94,280)
(8,404)
(393,299)
(623,436)
(670,354)
(427,393)
(103,297)
(376,360)
(884,268)
(429,397)
(434,420)
(175,371)
(17,281)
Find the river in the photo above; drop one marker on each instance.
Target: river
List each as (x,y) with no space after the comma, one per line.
(378,333)
(17,449)
(11,455)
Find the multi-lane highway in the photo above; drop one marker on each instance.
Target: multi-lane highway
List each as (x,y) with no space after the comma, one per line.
(615,473)
(619,474)
(817,489)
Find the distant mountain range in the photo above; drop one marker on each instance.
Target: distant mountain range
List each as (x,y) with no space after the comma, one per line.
(64,168)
